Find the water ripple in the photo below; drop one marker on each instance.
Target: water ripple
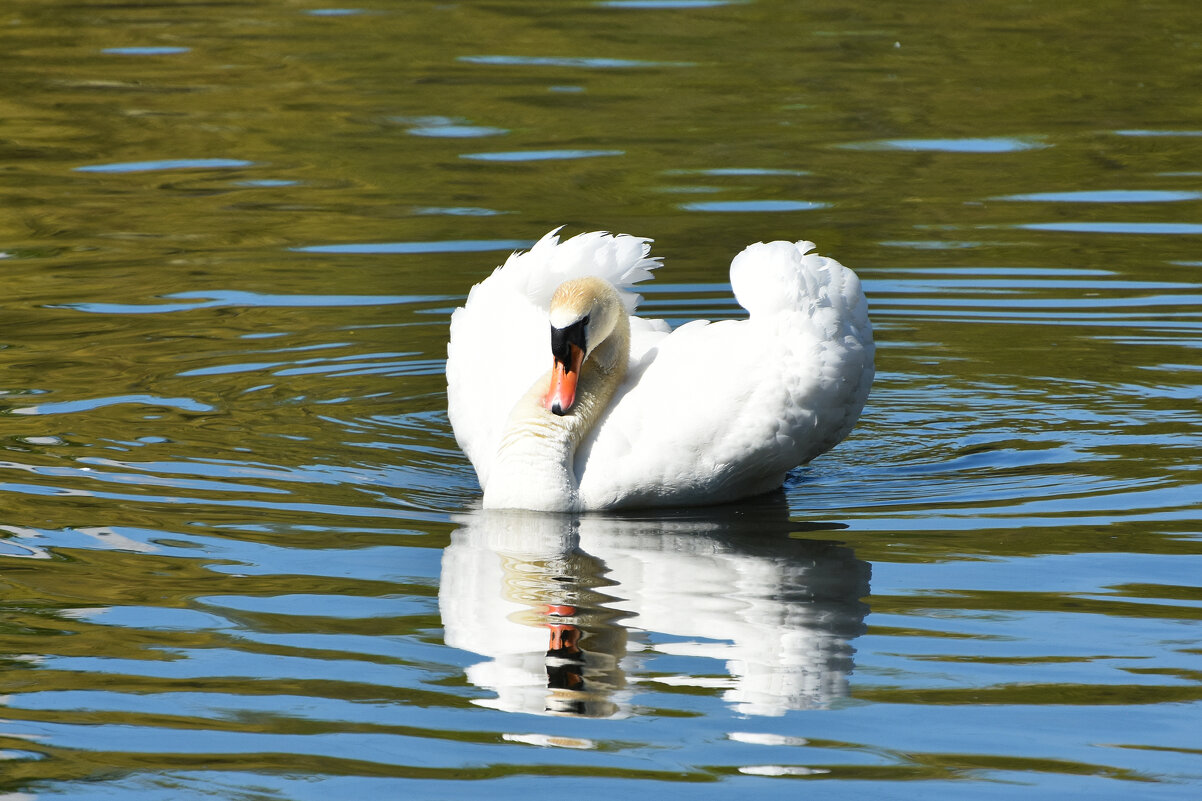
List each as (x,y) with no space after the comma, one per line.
(450,246)
(574,61)
(1107,196)
(990,145)
(541,155)
(146,51)
(1156,228)
(91,404)
(168,164)
(744,206)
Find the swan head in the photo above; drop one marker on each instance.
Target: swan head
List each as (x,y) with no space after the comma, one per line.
(584,313)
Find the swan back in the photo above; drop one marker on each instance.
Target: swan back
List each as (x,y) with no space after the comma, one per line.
(719,411)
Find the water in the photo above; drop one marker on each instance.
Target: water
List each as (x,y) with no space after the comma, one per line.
(240,553)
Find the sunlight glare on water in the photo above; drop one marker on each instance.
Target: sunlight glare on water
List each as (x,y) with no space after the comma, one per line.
(242,556)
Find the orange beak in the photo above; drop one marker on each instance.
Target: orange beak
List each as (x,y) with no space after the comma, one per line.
(562,393)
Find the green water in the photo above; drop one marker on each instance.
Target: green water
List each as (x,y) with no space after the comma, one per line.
(240,552)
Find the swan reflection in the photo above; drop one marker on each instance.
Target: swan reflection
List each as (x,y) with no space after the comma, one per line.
(570,611)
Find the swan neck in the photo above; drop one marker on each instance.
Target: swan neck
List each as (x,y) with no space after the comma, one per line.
(535,465)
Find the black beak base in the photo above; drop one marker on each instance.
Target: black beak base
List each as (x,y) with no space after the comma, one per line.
(563,338)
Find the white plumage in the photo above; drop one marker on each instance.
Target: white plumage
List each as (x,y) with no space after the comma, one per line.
(708,413)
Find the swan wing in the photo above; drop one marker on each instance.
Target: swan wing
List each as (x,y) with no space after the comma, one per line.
(717,411)
(499,343)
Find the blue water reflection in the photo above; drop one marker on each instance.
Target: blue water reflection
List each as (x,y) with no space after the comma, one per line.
(967,145)
(576,614)
(168,164)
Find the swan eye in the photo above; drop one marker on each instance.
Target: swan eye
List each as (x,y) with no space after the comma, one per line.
(584,320)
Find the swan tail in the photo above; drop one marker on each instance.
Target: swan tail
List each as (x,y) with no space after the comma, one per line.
(771,277)
(819,314)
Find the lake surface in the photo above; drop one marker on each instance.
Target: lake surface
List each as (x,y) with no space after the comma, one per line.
(241,555)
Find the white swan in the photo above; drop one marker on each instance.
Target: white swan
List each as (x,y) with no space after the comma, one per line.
(633,414)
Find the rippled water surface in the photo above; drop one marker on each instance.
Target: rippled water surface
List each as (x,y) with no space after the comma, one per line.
(241,555)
